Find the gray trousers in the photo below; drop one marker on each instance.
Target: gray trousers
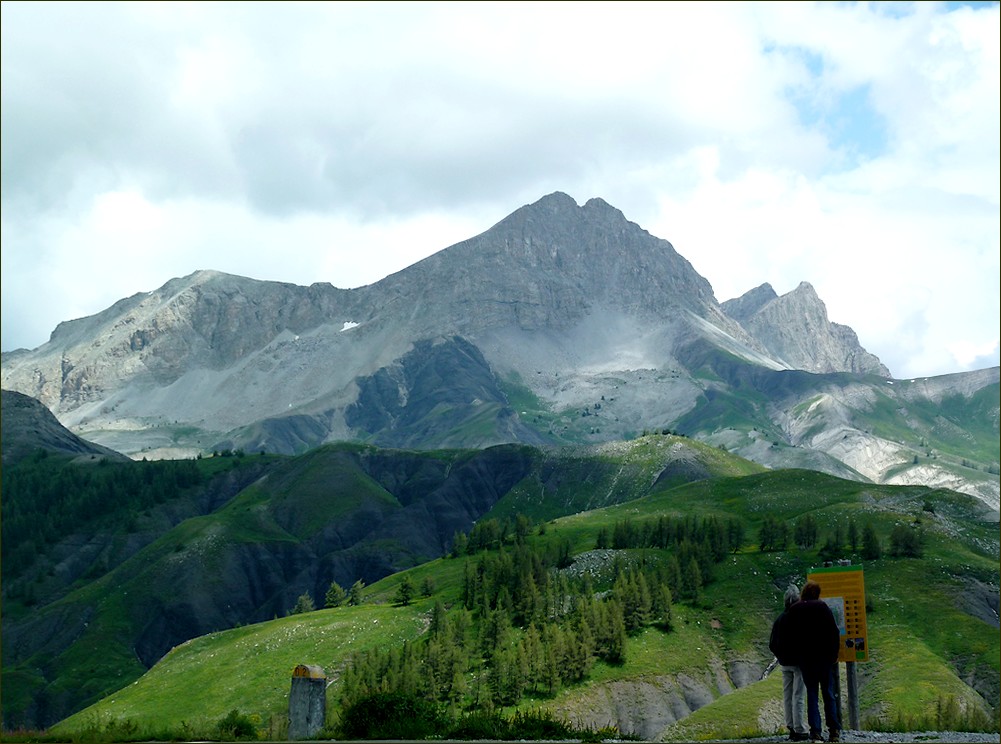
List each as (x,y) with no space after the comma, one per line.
(794,699)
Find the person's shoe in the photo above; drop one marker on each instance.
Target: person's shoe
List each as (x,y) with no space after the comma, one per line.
(816,736)
(797,736)
(834,736)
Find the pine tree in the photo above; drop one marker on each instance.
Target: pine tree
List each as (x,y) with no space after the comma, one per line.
(336,596)
(805,531)
(735,535)
(355,593)
(552,656)
(427,586)
(303,604)
(871,548)
(405,592)
(692,580)
(663,607)
(615,640)
(533,651)
(460,544)
(672,574)
(906,541)
(437,624)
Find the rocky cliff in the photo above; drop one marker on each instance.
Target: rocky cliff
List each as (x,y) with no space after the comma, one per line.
(795,330)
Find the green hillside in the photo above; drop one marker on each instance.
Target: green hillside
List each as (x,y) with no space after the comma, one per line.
(106,567)
(933,639)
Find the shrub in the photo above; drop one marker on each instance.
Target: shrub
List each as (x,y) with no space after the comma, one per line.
(393,715)
(479,726)
(539,726)
(236,725)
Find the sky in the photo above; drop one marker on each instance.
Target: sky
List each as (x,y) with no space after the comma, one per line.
(852,146)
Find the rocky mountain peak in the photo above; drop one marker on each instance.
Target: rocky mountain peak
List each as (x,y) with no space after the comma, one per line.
(548,265)
(743,307)
(796,330)
(806,290)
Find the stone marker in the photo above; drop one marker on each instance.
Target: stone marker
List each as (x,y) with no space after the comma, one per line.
(307,702)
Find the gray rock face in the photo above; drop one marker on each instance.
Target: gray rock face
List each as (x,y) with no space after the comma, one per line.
(227,355)
(794,328)
(561,323)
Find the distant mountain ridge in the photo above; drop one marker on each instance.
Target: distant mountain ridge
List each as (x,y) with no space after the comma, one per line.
(560,324)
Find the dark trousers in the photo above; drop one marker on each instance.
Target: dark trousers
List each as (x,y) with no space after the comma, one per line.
(820,677)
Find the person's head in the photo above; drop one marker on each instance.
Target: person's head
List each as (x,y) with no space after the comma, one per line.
(792,596)
(811,590)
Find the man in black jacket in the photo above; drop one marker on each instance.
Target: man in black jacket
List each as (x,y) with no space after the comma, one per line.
(814,642)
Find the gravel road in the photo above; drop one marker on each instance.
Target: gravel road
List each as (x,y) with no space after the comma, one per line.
(877,737)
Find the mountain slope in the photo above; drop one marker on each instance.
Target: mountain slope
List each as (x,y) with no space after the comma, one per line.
(932,620)
(218,352)
(29,427)
(91,604)
(559,324)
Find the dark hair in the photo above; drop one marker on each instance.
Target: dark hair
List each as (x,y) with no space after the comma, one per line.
(811,590)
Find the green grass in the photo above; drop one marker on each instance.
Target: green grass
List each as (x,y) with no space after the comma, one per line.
(749,712)
(910,674)
(248,669)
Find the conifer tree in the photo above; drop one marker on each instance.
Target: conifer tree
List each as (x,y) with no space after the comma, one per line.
(735,534)
(427,586)
(673,575)
(336,596)
(871,548)
(552,656)
(405,592)
(355,595)
(615,638)
(303,604)
(692,579)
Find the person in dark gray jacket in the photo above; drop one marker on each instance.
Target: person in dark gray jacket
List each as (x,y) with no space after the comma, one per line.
(815,641)
(793,689)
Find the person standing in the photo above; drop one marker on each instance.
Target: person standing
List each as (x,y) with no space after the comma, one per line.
(793,689)
(815,642)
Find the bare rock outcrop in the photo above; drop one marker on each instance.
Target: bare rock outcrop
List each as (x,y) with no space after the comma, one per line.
(795,329)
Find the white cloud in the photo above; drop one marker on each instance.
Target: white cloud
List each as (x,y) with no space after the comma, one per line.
(852,146)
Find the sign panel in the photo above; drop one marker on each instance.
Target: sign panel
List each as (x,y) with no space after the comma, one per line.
(843,589)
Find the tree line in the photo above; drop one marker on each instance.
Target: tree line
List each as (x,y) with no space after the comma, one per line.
(527,624)
(46,498)
(906,540)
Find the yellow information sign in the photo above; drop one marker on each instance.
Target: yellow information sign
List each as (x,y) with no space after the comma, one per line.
(843,589)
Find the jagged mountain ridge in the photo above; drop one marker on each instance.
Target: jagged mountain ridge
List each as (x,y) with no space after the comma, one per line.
(795,329)
(585,328)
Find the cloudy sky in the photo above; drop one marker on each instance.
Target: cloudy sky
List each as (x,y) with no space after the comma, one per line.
(855,147)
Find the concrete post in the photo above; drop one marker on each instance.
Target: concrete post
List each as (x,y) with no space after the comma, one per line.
(307,702)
